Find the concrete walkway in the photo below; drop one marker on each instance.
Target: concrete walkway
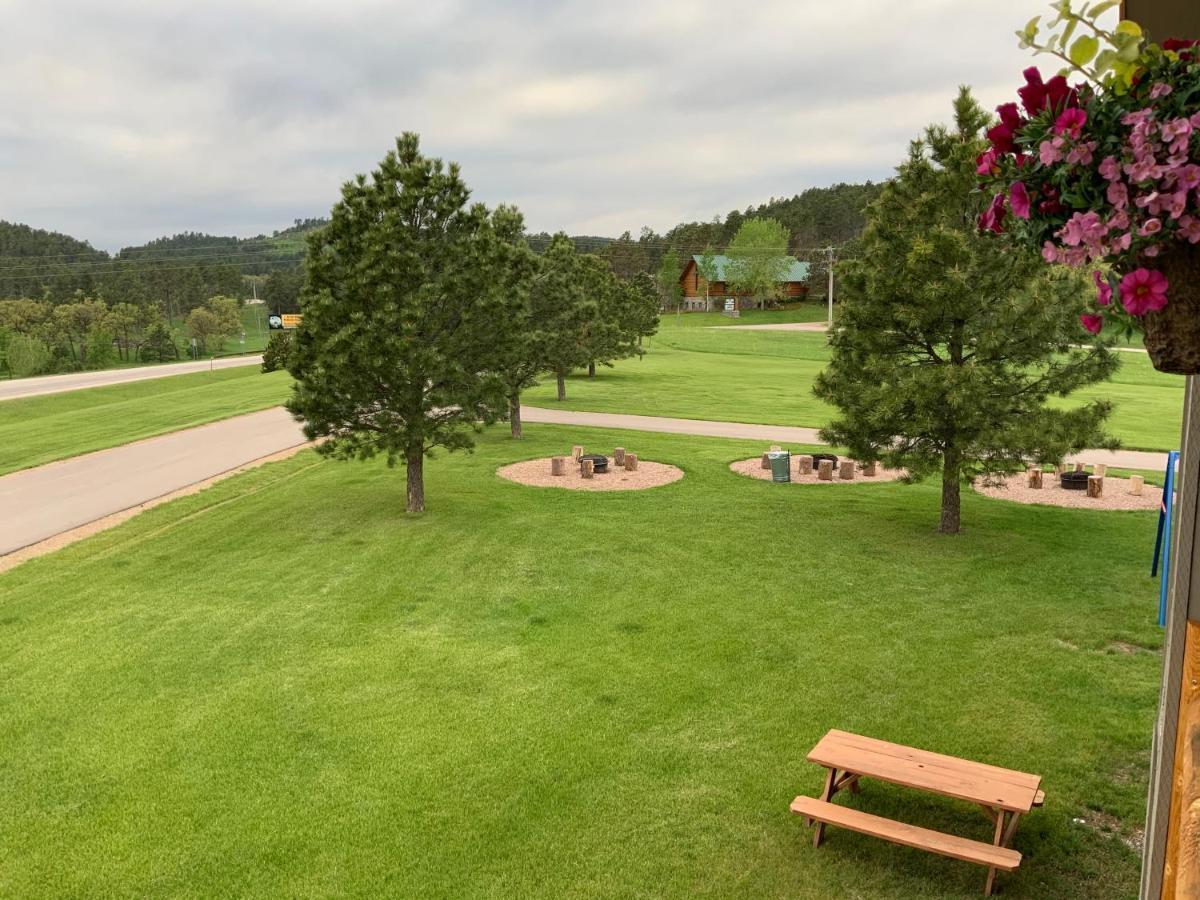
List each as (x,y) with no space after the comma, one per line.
(55,498)
(57,384)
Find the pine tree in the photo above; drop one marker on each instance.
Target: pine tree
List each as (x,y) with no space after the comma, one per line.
(949,343)
(563,311)
(400,308)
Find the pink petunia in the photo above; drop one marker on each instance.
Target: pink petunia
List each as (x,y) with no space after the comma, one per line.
(1092,322)
(1189,229)
(1018,199)
(1149,227)
(1070,121)
(1160,90)
(1118,194)
(1110,169)
(1143,291)
(1050,252)
(1187,177)
(992,218)
(1048,153)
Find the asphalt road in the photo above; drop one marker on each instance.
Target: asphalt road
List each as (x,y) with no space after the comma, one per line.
(48,500)
(57,384)
(57,497)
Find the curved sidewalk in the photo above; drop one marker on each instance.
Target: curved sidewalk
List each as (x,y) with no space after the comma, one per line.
(61,496)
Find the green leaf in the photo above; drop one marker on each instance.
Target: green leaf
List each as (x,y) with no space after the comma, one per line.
(1104,61)
(1130,52)
(1084,50)
(1031,29)
(1128,26)
(1102,7)
(1066,35)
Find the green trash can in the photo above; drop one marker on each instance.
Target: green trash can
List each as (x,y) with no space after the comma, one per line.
(781,466)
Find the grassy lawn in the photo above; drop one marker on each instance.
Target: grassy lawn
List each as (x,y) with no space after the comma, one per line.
(694,372)
(37,430)
(283,686)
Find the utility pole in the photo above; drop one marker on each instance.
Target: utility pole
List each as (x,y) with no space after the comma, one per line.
(829,289)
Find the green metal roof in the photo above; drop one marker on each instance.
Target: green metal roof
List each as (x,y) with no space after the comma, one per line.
(797,272)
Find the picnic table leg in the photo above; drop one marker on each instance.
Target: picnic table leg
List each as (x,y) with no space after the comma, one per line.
(826,795)
(997,840)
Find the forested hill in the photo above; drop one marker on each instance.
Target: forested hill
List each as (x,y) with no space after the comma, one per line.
(21,242)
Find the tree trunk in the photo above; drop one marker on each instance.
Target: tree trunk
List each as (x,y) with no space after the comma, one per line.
(562,385)
(951,483)
(415,463)
(591,370)
(514,414)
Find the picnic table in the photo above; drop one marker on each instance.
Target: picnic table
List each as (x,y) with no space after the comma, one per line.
(1003,794)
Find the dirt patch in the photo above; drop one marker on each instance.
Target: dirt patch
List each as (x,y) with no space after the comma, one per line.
(66,538)
(1109,826)
(753,468)
(536,473)
(1116,494)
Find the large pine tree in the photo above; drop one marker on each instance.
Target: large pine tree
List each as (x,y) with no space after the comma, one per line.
(404,287)
(950,343)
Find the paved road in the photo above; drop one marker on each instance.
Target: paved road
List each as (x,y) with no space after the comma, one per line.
(50,499)
(57,384)
(54,498)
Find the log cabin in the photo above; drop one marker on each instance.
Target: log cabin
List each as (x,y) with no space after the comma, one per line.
(697,295)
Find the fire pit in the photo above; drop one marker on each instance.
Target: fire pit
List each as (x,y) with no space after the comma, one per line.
(1074,481)
(817,457)
(599,463)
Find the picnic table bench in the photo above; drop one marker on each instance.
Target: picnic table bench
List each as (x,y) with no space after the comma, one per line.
(1004,795)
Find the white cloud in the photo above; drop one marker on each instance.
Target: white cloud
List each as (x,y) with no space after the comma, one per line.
(128,120)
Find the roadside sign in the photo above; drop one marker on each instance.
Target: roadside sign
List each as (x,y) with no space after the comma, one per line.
(729,304)
(276,321)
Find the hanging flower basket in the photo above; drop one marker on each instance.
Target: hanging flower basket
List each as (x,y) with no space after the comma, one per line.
(1104,174)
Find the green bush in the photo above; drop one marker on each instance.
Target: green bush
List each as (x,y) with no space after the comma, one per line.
(101,353)
(27,356)
(158,344)
(279,349)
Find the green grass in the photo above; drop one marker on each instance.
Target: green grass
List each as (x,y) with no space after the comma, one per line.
(283,686)
(766,377)
(37,430)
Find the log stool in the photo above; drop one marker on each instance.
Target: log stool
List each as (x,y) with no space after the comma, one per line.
(558,465)
(1095,488)
(766,461)
(587,468)
(1100,469)
(1136,485)
(846,470)
(576,452)
(1035,479)
(619,456)
(869,469)
(630,462)
(805,465)
(825,470)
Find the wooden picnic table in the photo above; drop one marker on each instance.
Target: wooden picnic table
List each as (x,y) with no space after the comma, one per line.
(1003,794)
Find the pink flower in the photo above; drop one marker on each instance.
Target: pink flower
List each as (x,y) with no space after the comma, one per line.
(1187,177)
(993,217)
(1151,251)
(1119,221)
(1121,244)
(1176,128)
(1001,137)
(1048,153)
(1050,252)
(1081,154)
(1083,228)
(1011,116)
(1018,199)
(1160,90)
(1189,228)
(1110,169)
(986,163)
(1092,322)
(1118,194)
(1144,200)
(1176,204)
(1103,289)
(1070,121)
(1149,227)
(1143,291)
(1033,94)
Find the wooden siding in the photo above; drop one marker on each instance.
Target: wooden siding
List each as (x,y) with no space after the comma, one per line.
(693,285)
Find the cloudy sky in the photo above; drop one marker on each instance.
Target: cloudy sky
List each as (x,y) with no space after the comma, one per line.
(128,120)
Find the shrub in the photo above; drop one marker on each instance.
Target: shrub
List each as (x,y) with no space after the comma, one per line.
(27,356)
(279,350)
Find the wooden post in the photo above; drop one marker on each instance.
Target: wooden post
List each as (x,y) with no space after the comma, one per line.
(587,468)
(1095,487)
(630,462)
(869,469)
(1035,479)
(805,465)
(1078,467)
(766,461)
(558,465)
(1136,485)
(577,451)
(846,470)
(1100,469)
(825,470)
(1171,860)
(619,456)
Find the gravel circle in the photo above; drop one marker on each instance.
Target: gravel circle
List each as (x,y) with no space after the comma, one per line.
(754,469)
(536,473)
(1116,494)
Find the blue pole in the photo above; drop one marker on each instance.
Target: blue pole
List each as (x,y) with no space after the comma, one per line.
(1165,517)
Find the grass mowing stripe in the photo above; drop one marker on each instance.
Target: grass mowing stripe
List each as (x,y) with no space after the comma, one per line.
(535,692)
